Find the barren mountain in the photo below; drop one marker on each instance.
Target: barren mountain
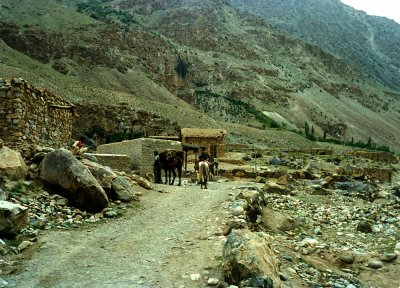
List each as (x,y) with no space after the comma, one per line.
(194,64)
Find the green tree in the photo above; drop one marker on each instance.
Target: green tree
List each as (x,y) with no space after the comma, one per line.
(306,129)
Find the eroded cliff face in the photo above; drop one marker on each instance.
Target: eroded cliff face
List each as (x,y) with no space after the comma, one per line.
(106,123)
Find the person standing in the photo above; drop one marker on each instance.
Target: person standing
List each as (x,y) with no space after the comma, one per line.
(204,155)
(157,168)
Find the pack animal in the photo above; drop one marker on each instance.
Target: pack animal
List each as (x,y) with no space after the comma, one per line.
(203,174)
(170,161)
(213,164)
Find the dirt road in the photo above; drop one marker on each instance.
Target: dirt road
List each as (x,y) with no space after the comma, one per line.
(169,240)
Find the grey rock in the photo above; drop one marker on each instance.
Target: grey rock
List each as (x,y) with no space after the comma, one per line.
(13,218)
(67,176)
(12,164)
(122,189)
(364,227)
(212,282)
(258,282)
(375,264)
(247,255)
(388,257)
(347,258)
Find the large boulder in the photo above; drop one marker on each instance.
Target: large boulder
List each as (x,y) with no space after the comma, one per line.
(276,221)
(146,184)
(12,164)
(249,255)
(271,187)
(122,189)
(72,179)
(104,174)
(13,218)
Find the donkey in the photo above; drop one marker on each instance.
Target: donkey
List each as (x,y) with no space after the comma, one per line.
(203,174)
(169,161)
(213,167)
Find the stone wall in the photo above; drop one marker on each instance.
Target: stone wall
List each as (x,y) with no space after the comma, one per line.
(208,143)
(114,161)
(140,150)
(374,155)
(32,116)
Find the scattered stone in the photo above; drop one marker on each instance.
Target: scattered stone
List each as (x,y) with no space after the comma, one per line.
(24,245)
(248,254)
(375,264)
(275,188)
(13,218)
(364,227)
(12,165)
(388,257)
(195,277)
(260,179)
(287,258)
(212,282)
(258,282)
(283,277)
(347,258)
(3,283)
(283,180)
(142,181)
(276,221)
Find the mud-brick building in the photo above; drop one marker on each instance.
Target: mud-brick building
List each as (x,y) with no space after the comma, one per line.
(29,115)
(212,139)
(141,151)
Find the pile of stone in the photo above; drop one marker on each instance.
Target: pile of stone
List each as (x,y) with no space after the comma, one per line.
(326,230)
(72,191)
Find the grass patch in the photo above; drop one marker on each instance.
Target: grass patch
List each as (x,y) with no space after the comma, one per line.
(238,107)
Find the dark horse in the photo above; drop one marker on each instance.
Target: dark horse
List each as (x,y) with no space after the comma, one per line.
(169,161)
(213,166)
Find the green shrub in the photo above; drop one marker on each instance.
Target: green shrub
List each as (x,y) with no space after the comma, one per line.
(240,106)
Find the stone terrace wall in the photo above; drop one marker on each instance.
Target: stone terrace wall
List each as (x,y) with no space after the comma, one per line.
(140,150)
(32,116)
(374,155)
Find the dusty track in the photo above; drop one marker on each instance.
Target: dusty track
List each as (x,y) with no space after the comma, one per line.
(158,244)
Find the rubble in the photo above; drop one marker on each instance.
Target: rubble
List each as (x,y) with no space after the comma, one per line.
(329,230)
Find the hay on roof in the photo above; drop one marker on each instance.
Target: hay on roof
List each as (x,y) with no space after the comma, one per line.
(203,133)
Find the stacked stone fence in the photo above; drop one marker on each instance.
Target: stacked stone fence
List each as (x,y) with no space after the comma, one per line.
(374,155)
(29,115)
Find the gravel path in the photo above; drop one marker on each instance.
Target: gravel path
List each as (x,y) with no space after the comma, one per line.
(164,242)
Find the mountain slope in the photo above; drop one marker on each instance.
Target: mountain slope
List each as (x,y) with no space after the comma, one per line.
(370,43)
(227,66)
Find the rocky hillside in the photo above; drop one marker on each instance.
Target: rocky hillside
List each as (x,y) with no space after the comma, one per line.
(369,43)
(194,63)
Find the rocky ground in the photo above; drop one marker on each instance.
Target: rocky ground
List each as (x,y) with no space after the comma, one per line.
(333,222)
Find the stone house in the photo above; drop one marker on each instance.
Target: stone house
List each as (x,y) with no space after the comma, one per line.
(212,139)
(29,115)
(141,151)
